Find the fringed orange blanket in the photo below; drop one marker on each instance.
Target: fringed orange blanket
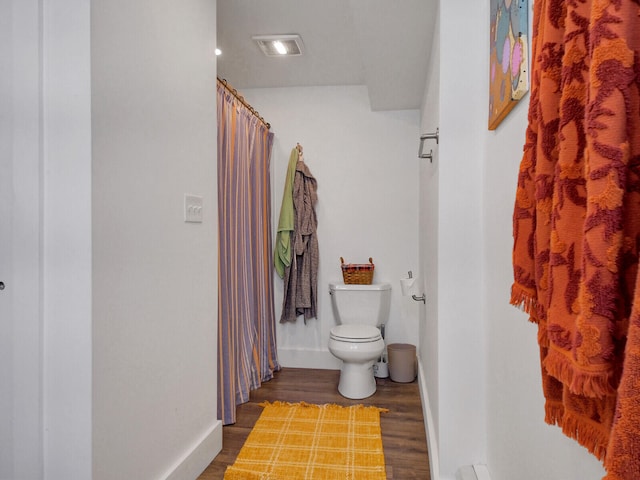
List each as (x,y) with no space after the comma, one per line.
(577,223)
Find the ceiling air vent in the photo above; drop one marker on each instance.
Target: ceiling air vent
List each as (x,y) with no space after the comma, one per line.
(279,45)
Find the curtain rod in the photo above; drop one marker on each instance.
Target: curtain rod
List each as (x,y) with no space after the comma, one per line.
(235,93)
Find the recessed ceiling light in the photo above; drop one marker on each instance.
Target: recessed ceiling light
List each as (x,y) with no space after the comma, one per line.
(218,52)
(280,48)
(279,45)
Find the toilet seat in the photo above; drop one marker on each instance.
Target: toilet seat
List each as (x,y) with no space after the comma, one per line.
(355,333)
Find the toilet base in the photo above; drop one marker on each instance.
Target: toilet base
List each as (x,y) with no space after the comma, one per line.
(357,380)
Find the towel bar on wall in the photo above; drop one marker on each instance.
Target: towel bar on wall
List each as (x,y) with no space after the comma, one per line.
(428,136)
(431,136)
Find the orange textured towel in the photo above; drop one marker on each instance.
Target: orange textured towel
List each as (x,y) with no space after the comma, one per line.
(577,221)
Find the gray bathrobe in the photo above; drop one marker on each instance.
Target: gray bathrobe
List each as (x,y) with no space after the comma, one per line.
(301,277)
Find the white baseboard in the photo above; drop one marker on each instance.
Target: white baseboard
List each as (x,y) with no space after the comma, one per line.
(466,473)
(482,472)
(299,358)
(432,442)
(473,472)
(199,456)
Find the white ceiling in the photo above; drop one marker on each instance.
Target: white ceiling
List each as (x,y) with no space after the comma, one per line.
(383,44)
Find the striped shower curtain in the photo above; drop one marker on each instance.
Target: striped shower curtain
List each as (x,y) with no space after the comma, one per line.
(246,319)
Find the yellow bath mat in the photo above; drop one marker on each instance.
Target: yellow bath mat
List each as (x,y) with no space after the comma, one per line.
(304,441)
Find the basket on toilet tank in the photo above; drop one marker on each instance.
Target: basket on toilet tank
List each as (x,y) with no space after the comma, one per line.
(357,273)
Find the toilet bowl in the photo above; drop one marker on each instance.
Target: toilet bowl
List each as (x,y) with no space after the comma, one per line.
(358,346)
(359,311)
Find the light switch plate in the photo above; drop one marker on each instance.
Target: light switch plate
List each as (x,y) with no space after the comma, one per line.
(192,208)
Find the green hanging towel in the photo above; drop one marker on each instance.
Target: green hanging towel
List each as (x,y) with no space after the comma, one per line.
(282,254)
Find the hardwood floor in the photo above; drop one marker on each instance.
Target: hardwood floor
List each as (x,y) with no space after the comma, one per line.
(403,435)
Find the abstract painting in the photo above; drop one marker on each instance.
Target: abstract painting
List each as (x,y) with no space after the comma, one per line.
(508,69)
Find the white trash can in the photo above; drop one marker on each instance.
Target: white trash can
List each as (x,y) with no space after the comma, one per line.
(402,362)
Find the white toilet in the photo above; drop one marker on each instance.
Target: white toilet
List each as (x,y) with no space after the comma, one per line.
(359,310)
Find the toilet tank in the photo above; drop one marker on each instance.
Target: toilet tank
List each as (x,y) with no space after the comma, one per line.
(360,304)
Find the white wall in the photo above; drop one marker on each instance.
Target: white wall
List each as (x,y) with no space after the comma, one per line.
(46,355)
(50,419)
(520,444)
(21,399)
(428,250)
(487,400)
(6,243)
(66,233)
(154,276)
(367,171)
(461,333)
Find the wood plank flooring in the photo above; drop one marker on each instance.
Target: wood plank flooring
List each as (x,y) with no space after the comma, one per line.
(403,435)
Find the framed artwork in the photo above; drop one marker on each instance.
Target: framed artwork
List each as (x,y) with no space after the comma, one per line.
(509,60)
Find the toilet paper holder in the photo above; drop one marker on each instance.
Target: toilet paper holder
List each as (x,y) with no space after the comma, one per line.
(422,298)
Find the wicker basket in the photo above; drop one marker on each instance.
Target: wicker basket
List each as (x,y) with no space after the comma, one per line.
(357,273)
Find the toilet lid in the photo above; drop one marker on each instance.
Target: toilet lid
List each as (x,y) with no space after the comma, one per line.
(356,333)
